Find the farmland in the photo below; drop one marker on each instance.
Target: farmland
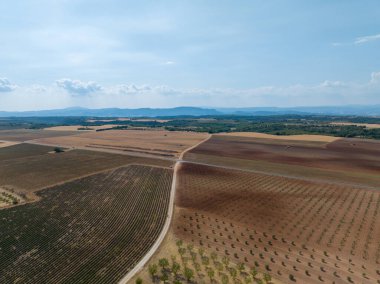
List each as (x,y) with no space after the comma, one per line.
(91,230)
(344,160)
(299,231)
(22,135)
(30,173)
(152,142)
(22,151)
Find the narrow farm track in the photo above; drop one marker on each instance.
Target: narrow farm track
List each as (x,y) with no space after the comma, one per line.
(165,230)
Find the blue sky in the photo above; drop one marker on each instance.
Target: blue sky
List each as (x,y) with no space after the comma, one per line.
(62,53)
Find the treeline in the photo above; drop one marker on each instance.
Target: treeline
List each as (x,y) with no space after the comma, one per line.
(274,124)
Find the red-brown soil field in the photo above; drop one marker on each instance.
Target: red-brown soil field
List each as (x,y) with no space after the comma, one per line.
(346,160)
(297,230)
(91,230)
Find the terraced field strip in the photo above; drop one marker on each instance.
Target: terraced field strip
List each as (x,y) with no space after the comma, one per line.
(92,230)
(46,170)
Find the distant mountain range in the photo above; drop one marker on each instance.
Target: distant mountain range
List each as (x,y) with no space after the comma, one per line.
(357,110)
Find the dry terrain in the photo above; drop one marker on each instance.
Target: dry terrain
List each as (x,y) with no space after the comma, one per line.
(298,231)
(91,230)
(9,198)
(303,137)
(4,144)
(366,125)
(22,135)
(154,142)
(200,260)
(344,160)
(32,172)
(23,151)
(81,127)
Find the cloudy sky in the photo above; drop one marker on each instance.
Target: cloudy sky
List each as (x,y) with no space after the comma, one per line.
(121,53)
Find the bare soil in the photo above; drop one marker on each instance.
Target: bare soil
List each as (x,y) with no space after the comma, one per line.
(22,135)
(315,231)
(160,143)
(343,156)
(303,137)
(35,172)
(78,127)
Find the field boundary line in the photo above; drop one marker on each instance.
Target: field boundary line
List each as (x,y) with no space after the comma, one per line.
(102,150)
(140,265)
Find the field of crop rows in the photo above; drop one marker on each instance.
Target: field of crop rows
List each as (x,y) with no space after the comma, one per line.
(298,231)
(22,151)
(345,160)
(34,172)
(92,230)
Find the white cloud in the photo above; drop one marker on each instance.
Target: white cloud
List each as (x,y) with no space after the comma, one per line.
(332,84)
(375,77)
(77,87)
(6,85)
(365,39)
(65,93)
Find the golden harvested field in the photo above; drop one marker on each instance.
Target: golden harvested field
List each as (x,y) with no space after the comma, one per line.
(77,127)
(298,231)
(159,143)
(366,125)
(4,144)
(303,137)
(22,135)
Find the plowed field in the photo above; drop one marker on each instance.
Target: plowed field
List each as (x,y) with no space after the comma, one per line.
(297,230)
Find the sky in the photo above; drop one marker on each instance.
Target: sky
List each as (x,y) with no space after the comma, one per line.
(214,53)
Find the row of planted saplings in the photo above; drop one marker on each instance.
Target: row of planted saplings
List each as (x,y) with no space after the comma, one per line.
(8,198)
(291,277)
(196,266)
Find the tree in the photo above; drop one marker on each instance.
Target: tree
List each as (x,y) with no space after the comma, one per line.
(210,273)
(176,268)
(267,278)
(164,277)
(233,272)
(201,252)
(139,281)
(152,270)
(179,243)
(225,279)
(253,272)
(247,280)
(241,267)
(226,261)
(214,256)
(188,273)
(163,262)
(58,150)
